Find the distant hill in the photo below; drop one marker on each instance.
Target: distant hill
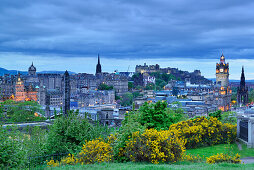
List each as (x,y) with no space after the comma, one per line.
(14,72)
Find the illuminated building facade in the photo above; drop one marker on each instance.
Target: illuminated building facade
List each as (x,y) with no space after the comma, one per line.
(24,93)
(222,91)
(222,72)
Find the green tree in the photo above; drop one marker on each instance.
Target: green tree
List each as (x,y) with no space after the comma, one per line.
(154,115)
(130,86)
(68,133)
(127,99)
(23,111)
(229,117)
(10,148)
(216,114)
(103,86)
(150,86)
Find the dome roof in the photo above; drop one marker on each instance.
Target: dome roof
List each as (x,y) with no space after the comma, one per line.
(32,68)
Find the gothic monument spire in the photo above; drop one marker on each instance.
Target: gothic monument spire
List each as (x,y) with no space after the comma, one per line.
(242,91)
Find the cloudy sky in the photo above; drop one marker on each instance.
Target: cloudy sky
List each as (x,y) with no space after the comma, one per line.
(186,34)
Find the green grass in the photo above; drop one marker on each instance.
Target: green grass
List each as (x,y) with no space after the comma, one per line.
(146,166)
(222,148)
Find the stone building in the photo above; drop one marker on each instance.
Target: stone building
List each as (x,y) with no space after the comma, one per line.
(7,87)
(120,83)
(193,77)
(93,97)
(242,91)
(222,72)
(106,116)
(55,97)
(222,92)
(25,92)
(32,70)
(51,80)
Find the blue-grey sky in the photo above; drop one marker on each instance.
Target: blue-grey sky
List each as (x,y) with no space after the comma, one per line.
(187,34)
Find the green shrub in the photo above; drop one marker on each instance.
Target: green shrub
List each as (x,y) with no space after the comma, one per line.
(154,115)
(11,152)
(229,117)
(69,133)
(216,114)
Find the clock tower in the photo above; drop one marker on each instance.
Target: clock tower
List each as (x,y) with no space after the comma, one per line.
(222,72)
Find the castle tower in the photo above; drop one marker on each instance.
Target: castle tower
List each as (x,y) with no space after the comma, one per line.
(242,91)
(98,66)
(32,70)
(222,72)
(67,94)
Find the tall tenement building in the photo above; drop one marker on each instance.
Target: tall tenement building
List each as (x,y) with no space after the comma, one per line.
(242,91)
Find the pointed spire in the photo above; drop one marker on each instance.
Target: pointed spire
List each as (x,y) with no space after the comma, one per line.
(98,58)
(242,83)
(66,73)
(98,66)
(32,63)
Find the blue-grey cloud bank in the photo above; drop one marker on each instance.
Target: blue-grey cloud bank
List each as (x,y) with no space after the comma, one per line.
(129,28)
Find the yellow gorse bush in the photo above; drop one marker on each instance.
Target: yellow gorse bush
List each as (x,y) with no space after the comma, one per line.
(52,163)
(154,146)
(192,158)
(221,157)
(204,132)
(93,151)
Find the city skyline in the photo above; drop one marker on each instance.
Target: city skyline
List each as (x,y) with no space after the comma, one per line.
(88,64)
(186,34)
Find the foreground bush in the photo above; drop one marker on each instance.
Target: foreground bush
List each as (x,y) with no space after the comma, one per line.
(223,158)
(68,134)
(154,146)
(95,151)
(10,149)
(192,158)
(204,132)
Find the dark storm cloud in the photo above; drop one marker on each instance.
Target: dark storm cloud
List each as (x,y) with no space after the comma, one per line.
(128,28)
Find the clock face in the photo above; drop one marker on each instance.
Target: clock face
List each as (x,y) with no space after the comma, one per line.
(221,70)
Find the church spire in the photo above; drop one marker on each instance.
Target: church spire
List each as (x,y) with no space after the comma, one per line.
(98,58)
(98,66)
